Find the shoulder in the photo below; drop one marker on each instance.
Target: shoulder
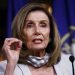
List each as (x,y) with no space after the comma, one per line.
(64,65)
(65,58)
(19,69)
(2,67)
(22,69)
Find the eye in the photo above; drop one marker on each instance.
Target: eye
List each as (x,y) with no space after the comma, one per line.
(43,24)
(29,24)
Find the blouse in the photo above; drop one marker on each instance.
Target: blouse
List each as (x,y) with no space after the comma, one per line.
(64,67)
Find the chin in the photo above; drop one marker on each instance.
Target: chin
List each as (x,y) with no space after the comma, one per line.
(39,48)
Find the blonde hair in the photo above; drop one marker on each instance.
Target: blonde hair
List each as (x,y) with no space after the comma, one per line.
(17,30)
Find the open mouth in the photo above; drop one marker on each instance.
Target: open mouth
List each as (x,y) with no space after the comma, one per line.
(37,41)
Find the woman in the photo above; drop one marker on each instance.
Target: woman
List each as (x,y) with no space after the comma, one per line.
(34,48)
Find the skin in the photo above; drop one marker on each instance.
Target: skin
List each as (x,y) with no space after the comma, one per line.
(36,31)
(11,54)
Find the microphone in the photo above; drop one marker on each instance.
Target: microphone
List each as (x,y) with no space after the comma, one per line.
(71,58)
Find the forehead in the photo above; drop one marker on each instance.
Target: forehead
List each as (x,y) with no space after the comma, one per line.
(39,15)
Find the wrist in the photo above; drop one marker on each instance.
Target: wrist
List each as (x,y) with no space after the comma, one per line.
(11,63)
(10,67)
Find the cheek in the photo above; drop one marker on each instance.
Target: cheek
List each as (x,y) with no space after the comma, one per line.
(28,40)
(47,37)
(28,37)
(27,34)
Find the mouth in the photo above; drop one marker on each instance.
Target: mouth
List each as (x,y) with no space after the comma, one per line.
(37,41)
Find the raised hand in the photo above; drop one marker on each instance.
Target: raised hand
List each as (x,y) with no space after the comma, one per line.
(12,47)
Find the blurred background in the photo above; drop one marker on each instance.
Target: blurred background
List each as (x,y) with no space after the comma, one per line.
(62,10)
(3,14)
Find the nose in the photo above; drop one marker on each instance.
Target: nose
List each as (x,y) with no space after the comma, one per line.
(37,30)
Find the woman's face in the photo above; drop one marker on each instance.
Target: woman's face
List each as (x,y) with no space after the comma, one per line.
(37,30)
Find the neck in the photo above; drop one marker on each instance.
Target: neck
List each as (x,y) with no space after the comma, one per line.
(40,53)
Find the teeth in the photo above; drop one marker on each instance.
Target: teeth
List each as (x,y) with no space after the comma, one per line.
(37,40)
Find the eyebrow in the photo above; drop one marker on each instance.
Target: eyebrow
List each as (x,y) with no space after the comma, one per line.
(44,21)
(41,20)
